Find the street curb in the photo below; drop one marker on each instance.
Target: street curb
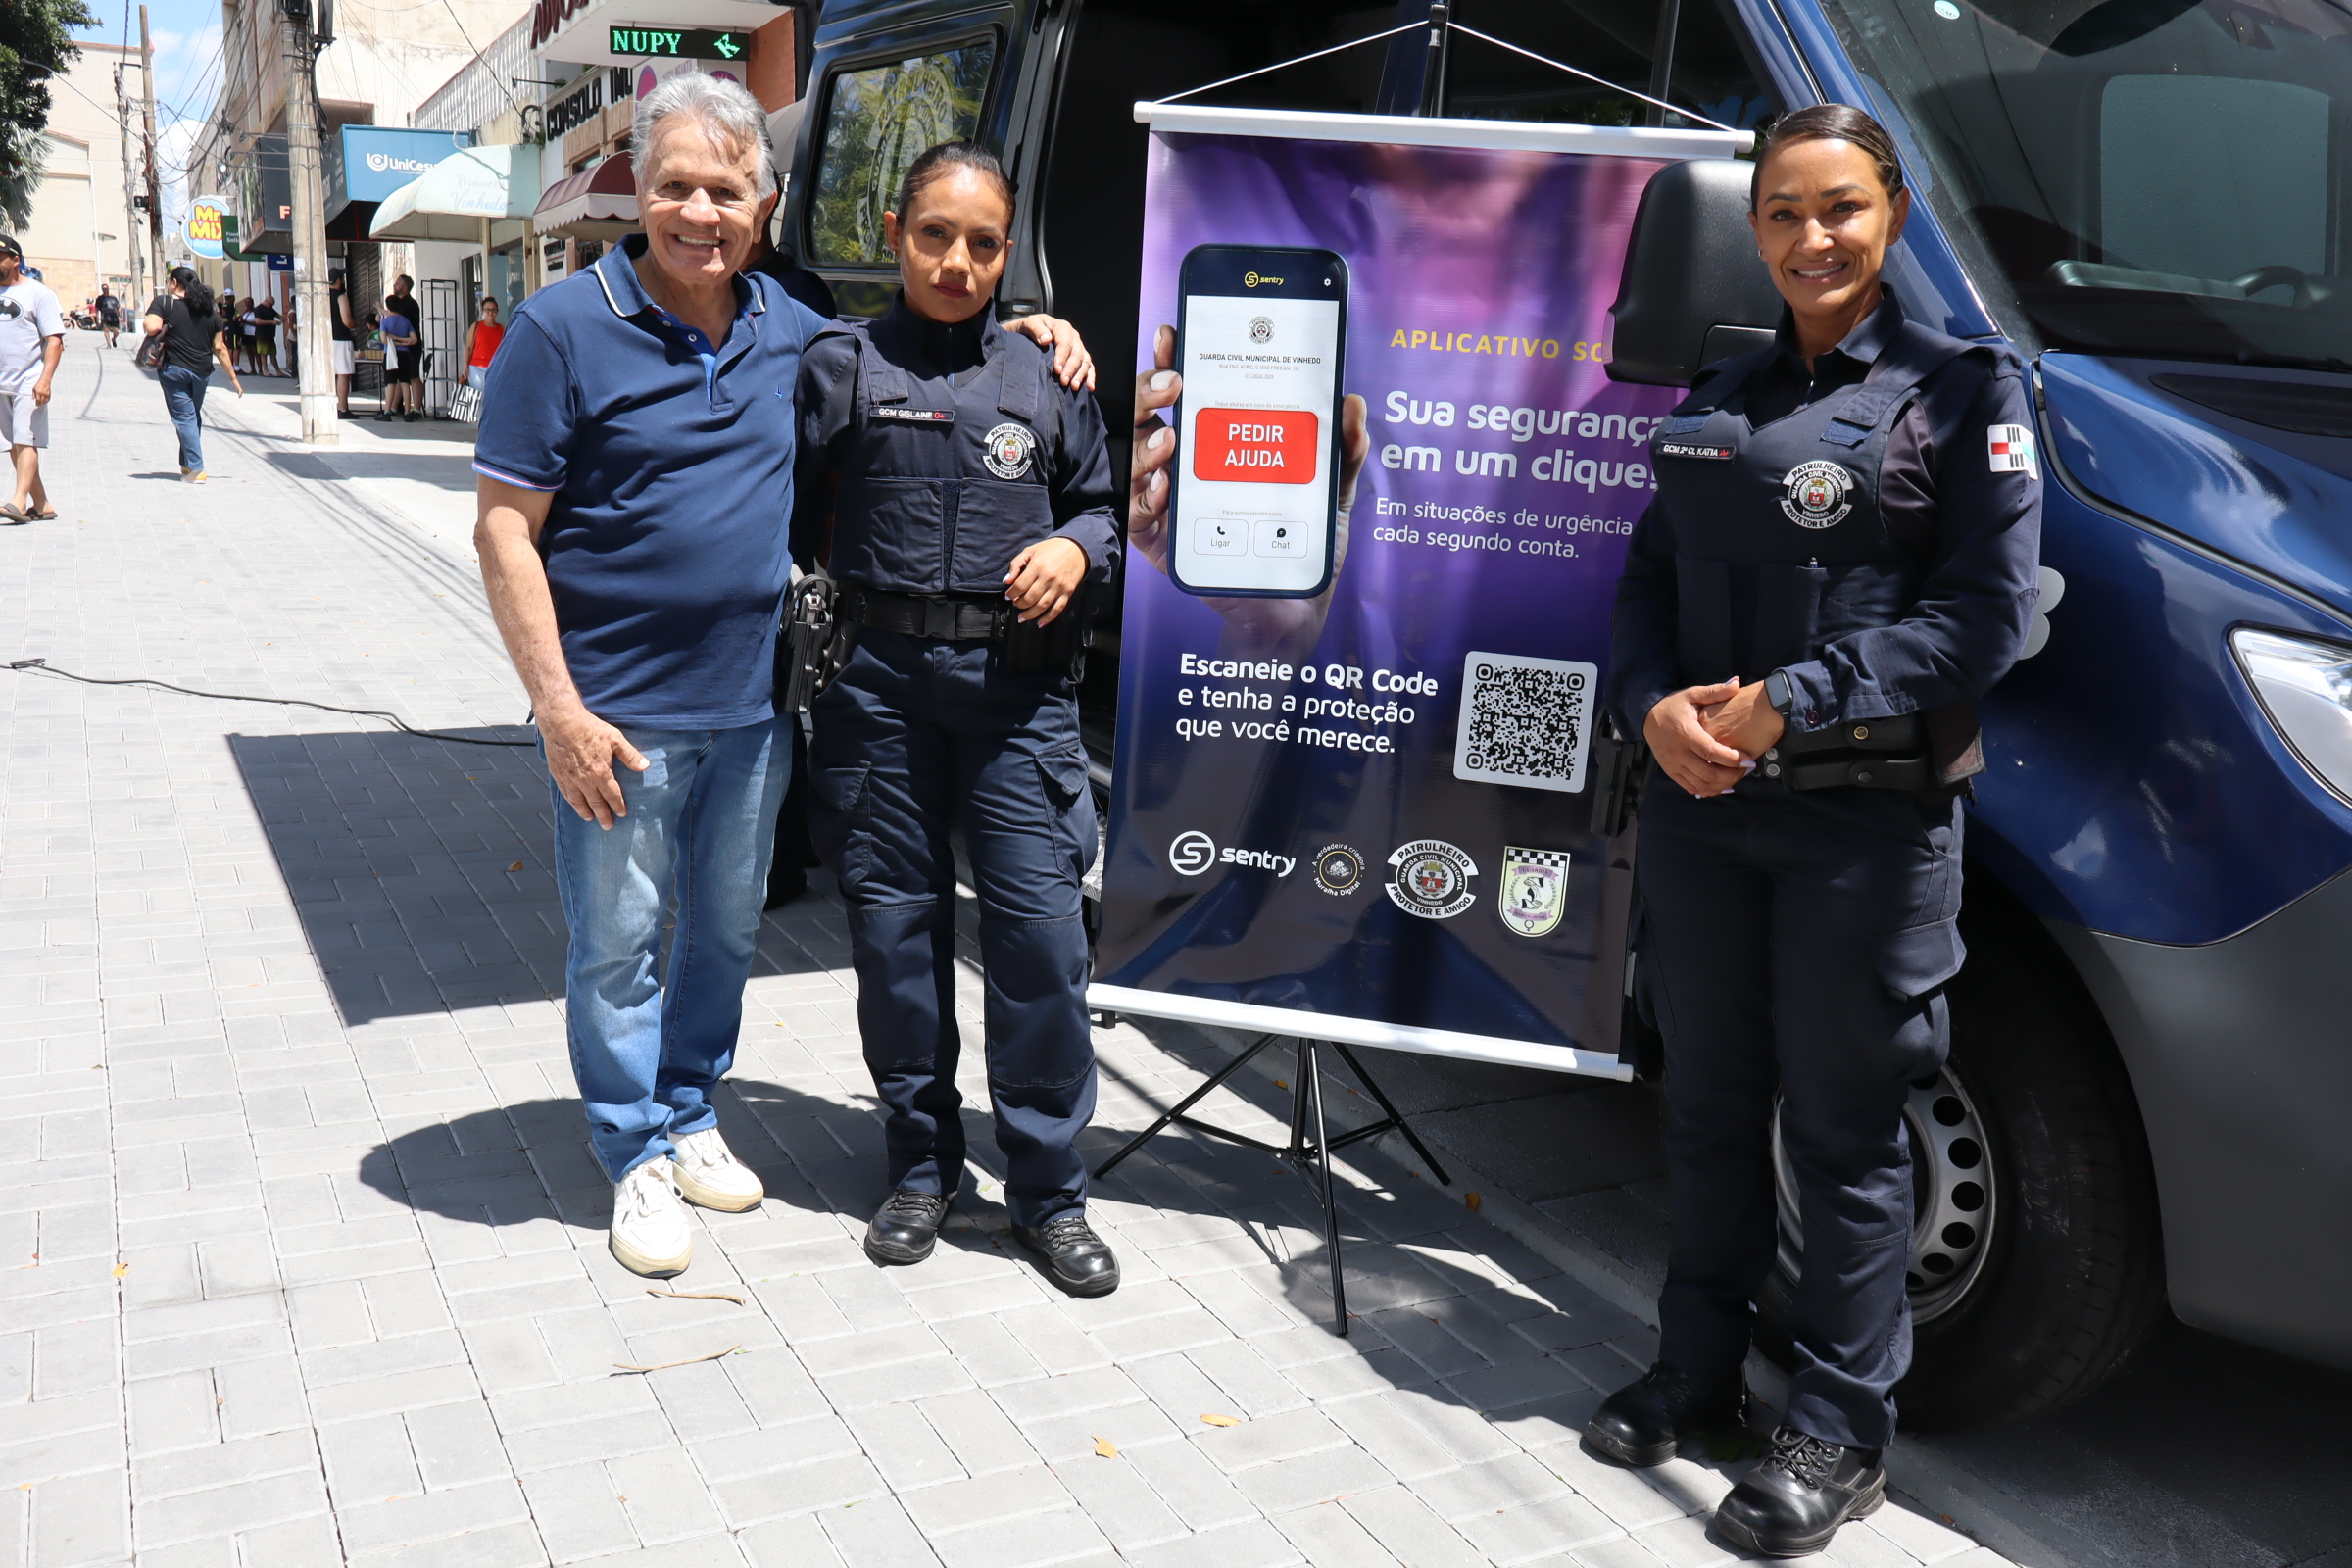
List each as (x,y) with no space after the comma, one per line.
(1934,1484)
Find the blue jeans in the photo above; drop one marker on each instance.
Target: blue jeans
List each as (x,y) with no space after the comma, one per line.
(183,395)
(647,1052)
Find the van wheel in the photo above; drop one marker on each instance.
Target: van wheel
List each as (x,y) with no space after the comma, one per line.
(2036,1257)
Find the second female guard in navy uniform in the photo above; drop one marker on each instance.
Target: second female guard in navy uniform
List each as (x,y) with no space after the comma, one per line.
(971,502)
(1841,558)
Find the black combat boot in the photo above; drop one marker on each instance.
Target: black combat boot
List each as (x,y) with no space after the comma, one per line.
(1643,1423)
(1080,1262)
(905,1228)
(1793,1504)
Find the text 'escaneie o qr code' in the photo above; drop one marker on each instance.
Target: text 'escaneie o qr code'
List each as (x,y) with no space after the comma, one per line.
(1525,721)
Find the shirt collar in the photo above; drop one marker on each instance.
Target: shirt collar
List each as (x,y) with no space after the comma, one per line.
(1863,345)
(624,290)
(968,342)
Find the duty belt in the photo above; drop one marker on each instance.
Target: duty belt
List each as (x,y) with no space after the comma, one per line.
(954,620)
(1888,753)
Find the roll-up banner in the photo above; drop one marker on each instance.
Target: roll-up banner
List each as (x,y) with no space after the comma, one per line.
(1353,797)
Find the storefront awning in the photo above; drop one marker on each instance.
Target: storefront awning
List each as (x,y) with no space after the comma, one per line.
(451,200)
(599,203)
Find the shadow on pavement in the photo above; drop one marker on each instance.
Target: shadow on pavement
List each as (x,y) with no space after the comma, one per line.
(422,872)
(517,1167)
(2201,1453)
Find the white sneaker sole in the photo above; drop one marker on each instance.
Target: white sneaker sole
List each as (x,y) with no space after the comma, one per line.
(652,1268)
(726,1202)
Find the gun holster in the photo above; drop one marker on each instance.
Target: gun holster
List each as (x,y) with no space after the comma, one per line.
(816,641)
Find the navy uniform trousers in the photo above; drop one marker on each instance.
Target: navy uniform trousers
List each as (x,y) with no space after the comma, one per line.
(916,734)
(1797,943)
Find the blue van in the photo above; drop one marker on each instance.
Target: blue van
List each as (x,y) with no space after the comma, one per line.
(2147,200)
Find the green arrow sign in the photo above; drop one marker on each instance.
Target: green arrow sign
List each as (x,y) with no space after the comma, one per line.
(679,44)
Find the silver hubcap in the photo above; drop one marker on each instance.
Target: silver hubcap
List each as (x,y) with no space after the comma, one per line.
(1952,1197)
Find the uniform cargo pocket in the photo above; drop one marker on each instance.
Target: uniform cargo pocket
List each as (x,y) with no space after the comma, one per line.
(1916,961)
(1070,806)
(839,824)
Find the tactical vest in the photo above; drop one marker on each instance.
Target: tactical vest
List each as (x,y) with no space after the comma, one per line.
(943,485)
(1780,545)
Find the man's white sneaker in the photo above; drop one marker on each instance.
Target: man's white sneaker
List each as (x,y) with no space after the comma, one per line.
(651,1235)
(709,1174)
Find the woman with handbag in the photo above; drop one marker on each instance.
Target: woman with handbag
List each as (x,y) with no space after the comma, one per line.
(184,324)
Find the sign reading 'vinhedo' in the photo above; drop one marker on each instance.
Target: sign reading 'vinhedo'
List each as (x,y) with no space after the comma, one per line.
(675,43)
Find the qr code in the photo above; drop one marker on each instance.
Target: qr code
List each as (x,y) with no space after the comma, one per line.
(1525,721)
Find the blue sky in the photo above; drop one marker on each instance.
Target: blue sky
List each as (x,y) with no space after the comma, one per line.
(188,48)
(187,36)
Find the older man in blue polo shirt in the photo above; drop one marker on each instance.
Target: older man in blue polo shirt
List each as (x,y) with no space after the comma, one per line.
(635,487)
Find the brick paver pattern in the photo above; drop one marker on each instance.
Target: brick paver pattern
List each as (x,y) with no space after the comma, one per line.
(304,1254)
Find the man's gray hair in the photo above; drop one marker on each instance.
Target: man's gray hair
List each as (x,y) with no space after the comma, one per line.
(719,105)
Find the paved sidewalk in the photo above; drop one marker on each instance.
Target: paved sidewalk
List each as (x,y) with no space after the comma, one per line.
(307,1251)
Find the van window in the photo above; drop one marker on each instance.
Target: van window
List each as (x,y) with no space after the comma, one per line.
(877,120)
(1616,40)
(2255,151)
(2165,177)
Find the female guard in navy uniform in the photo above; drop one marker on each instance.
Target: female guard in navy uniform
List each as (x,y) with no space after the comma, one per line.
(972,515)
(1841,558)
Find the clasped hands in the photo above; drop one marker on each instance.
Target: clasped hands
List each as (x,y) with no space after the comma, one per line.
(1708,737)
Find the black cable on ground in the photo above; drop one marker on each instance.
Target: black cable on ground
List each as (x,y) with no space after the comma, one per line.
(43,667)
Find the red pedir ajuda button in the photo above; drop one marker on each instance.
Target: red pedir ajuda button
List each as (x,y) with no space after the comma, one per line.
(1257,446)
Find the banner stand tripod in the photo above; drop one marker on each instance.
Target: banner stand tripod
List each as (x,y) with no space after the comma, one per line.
(1309,1143)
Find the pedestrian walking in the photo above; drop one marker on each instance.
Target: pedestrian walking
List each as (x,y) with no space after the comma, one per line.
(1840,561)
(481,344)
(194,338)
(33,339)
(969,503)
(109,305)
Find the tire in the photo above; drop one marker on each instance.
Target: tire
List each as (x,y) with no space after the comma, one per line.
(2063,1277)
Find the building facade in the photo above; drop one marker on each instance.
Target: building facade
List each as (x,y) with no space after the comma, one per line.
(83,236)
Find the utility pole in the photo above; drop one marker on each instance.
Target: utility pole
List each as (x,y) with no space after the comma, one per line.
(154,193)
(135,258)
(320,424)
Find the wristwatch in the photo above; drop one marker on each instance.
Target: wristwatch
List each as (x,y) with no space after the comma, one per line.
(1779,692)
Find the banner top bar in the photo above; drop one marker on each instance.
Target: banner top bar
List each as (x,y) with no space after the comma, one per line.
(1413,131)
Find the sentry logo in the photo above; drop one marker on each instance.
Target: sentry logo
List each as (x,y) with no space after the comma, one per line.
(1253,279)
(1192,854)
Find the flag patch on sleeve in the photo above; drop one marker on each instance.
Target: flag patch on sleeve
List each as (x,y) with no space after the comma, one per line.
(2010,448)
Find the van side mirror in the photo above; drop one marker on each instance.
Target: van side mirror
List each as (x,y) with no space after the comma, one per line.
(1692,291)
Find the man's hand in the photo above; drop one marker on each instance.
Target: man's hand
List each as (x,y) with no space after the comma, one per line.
(1073,366)
(1746,721)
(1679,739)
(580,749)
(40,393)
(1042,578)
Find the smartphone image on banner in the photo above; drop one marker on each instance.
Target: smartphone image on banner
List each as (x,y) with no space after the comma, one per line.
(1260,334)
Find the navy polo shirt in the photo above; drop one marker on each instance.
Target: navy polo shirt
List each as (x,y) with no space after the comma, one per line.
(669,459)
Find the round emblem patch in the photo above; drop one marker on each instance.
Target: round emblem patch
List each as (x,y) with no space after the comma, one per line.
(1339,871)
(1817,494)
(1430,878)
(1008,450)
(1261,329)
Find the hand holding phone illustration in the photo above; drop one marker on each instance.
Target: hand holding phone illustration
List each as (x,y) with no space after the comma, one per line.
(1259,626)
